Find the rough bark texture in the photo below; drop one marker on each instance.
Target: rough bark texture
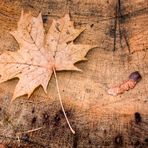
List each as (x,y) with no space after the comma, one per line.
(120,29)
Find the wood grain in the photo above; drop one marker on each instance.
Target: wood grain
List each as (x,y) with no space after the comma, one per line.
(120,29)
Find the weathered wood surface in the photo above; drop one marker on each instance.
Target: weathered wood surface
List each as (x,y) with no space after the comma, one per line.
(120,29)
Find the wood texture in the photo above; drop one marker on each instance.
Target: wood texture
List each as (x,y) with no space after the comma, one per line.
(120,29)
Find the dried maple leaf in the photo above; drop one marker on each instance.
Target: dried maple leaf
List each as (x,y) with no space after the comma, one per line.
(39,54)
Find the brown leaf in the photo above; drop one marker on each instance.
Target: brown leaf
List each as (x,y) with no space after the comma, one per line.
(134,78)
(2,145)
(33,63)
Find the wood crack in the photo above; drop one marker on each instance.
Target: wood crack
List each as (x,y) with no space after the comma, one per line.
(119,30)
(115,29)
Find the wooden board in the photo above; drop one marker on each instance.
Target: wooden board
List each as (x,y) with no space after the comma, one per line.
(120,29)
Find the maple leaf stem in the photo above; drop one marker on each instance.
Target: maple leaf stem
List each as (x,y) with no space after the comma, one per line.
(60,98)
